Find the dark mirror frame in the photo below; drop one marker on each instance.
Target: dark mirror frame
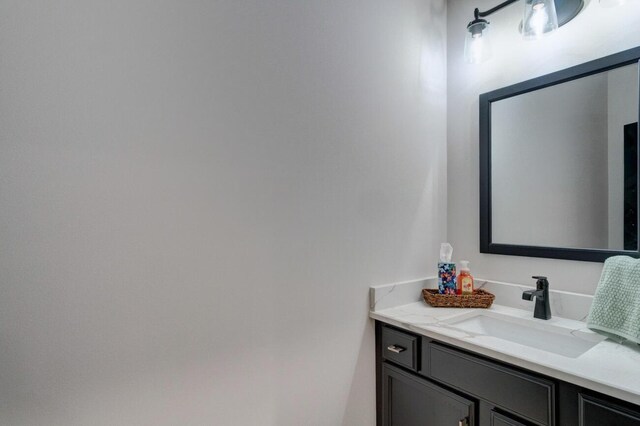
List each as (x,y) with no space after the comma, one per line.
(617,60)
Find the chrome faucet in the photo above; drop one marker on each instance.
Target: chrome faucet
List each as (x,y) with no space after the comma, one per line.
(542,309)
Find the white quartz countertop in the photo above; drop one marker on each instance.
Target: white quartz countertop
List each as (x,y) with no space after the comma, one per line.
(608,367)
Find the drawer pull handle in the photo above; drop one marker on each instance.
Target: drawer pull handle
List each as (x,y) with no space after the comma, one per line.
(463,422)
(396,349)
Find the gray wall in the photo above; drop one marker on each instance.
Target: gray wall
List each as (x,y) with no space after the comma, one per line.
(549,166)
(195,197)
(596,32)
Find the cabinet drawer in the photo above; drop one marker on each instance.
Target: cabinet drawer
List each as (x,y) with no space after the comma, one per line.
(594,412)
(400,348)
(497,384)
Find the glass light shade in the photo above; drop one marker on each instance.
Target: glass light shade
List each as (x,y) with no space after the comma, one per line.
(540,18)
(477,46)
(611,3)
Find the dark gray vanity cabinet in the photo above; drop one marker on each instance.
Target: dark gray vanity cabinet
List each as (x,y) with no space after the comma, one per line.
(424,382)
(410,400)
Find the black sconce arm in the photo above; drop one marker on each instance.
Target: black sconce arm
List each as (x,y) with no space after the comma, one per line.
(477,14)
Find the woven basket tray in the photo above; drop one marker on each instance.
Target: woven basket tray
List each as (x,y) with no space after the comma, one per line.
(479,299)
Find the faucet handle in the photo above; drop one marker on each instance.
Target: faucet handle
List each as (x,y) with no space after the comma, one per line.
(542,282)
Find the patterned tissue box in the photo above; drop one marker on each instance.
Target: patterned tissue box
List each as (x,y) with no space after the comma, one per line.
(447,278)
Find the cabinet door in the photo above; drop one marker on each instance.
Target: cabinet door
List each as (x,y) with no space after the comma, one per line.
(411,401)
(595,412)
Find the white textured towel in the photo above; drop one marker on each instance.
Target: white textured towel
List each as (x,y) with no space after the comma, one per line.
(616,305)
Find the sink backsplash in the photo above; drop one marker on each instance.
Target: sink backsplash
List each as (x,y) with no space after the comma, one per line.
(563,304)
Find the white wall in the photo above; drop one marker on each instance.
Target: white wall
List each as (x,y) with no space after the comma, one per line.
(596,32)
(195,197)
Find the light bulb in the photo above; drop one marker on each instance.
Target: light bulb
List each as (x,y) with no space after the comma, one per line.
(475,54)
(477,48)
(539,19)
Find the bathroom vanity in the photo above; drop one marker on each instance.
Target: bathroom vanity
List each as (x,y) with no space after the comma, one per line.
(438,384)
(501,366)
(464,367)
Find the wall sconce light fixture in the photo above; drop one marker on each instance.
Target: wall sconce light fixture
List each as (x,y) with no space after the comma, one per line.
(612,3)
(540,17)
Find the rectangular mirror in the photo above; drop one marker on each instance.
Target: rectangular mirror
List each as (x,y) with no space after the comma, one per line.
(559,163)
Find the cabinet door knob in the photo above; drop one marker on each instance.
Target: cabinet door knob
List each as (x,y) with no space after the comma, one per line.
(463,422)
(396,349)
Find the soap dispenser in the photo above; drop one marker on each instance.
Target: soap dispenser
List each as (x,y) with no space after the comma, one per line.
(465,279)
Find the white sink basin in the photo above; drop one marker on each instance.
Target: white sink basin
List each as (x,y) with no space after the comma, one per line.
(531,333)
